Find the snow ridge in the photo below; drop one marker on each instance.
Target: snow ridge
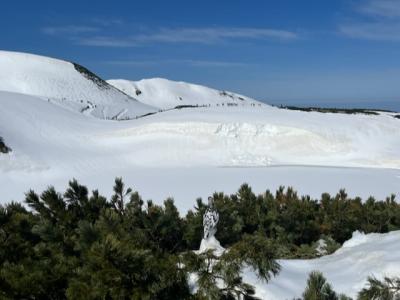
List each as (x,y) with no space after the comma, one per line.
(67,84)
(165,94)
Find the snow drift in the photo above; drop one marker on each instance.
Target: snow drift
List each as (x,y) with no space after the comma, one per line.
(66,84)
(347,269)
(164,94)
(224,137)
(208,149)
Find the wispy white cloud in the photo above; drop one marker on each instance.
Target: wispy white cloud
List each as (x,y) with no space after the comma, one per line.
(190,62)
(380,21)
(69,30)
(104,41)
(383,8)
(82,36)
(213,35)
(378,31)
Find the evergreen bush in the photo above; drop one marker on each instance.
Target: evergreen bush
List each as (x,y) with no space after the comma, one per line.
(80,245)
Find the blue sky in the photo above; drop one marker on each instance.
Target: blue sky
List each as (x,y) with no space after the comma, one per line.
(282,51)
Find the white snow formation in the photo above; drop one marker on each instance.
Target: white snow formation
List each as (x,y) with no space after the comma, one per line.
(66,84)
(347,269)
(166,94)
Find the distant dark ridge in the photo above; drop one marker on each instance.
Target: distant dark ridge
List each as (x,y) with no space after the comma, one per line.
(336,110)
(188,106)
(101,83)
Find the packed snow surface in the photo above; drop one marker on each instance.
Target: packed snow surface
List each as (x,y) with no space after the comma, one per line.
(347,269)
(165,94)
(66,84)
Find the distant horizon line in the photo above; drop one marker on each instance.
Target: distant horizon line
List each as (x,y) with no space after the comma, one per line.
(390,105)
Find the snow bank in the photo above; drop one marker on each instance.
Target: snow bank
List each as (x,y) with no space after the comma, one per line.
(357,239)
(194,152)
(347,269)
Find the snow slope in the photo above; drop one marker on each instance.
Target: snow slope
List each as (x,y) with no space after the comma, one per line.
(66,84)
(164,94)
(224,137)
(207,149)
(347,269)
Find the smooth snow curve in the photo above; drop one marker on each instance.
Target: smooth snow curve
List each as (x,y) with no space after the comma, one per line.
(66,84)
(165,94)
(347,269)
(219,137)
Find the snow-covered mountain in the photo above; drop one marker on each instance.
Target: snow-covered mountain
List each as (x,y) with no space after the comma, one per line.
(66,84)
(164,94)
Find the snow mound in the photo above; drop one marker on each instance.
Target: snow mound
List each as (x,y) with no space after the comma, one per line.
(164,94)
(357,239)
(66,84)
(211,244)
(347,269)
